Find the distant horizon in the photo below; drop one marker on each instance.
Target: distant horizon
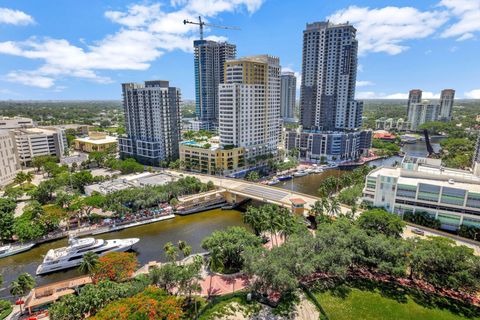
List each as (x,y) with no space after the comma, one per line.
(403,44)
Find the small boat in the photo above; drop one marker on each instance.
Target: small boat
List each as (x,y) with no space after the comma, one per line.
(72,256)
(10,250)
(284,178)
(300,173)
(274,181)
(317,170)
(308,171)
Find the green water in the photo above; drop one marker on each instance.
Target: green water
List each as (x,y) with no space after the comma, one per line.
(192,228)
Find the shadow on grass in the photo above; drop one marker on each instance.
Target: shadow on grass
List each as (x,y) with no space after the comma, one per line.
(400,294)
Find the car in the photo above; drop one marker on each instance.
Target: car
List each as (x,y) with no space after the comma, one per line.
(418,231)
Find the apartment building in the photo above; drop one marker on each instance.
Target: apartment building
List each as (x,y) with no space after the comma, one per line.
(9,164)
(414,96)
(152,122)
(423,185)
(288,94)
(209,61)
(447,97)
(420,113)
(249,105)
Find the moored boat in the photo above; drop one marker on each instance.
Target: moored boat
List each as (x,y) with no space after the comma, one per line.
(284,178)
(10,250)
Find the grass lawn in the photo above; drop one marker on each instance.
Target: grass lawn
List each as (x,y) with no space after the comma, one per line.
(372,304)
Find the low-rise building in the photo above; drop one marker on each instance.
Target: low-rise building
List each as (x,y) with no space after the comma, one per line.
(34,142)
(8,157)
(131,181)
(76,129)
(209,157)
(96,141)
(423,185)
(390,123)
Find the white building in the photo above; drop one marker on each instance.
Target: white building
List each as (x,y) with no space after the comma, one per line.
(423,112)
(249,103)
(34,142)
(422,185)
(152,122)
(8,157)
(288,93)
(16,122)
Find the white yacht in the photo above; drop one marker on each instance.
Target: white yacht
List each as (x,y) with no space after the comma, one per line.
(72,256)
(300,173)
(10,250)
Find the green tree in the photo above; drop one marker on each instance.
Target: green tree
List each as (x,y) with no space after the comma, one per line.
(228,246)
(379,221)
(252,176)
(170,251)
(89,262)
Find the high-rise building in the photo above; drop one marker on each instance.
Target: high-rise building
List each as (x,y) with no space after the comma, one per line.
(152,122)
(249,105)
(330,115)
(210,57)
(414,96)
(446,104)
(329,71)
(423,112)
(288,94)
(476,158)
(8,157)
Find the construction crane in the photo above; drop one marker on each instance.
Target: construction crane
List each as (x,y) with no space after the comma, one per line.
(201,24)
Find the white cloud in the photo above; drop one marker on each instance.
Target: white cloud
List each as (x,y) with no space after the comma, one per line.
(473,94)
(147,32)
(467,13)
(386,29)
(364,83)
(15,17)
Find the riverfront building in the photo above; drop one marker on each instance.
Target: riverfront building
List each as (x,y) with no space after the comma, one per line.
(8,157)
(390,123)
(422,185)
(330,115)
(96,141)
(210,158)
(34,142)
(423,112)
(152,122)
(414,96)
(249,105)
(288,93)
(447,97)
(210,57)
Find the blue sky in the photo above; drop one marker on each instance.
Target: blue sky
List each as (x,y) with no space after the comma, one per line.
(70,49)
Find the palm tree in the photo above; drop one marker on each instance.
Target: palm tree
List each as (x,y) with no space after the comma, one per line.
(29,176)
(20,178)
(170,251)
(317,208)
(334,207)
(89,262)
(16,290)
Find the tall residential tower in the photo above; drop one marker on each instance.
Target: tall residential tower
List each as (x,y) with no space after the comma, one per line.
(446,104)
(152,122)
(210,57)
(288,96)
(330,115)
(414,96)
(249,107)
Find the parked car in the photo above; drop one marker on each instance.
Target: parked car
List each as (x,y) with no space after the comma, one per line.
(418,231)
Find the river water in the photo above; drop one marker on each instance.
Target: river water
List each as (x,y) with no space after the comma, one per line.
(192,228)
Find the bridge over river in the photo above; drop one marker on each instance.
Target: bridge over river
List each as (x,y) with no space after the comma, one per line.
(236,190)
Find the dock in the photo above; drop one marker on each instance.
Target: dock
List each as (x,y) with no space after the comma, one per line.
(117,227)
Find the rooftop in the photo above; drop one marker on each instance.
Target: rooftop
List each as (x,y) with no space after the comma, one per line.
(107,139)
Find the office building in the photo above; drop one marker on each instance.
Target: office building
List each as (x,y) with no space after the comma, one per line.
(34,142)
(96,141)
(211,158)
(152,122)
(419,113)
(414,96)
(15,123)
(210,57)
(288,92)
(330,115)
(447,97)
(422,185)
(249,105)
(8,157)
(329,71)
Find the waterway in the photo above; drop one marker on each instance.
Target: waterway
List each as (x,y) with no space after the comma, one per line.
(192,229)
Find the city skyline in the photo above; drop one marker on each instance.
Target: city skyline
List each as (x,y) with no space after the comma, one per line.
(402,44)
